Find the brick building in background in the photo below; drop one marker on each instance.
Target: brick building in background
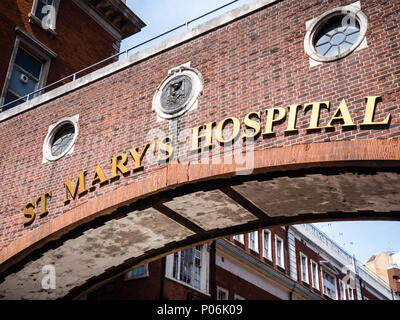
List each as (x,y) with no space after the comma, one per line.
(44,41)
(287,263)
(387,267)
(308,91)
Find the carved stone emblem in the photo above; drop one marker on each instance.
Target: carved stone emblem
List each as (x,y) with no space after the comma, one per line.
(178,92)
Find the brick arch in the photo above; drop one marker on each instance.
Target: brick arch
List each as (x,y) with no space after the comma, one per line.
(176,178)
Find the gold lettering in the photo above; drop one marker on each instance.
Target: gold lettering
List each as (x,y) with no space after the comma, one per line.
(255,125)
(42,200)
(138,158)
(166,148)
(344,116)
(197,136)
(99,177)
(119,166)
(220,127)
(315,112)
(372,101)
(29,212)
(79,187)
(269,125)
(292,118)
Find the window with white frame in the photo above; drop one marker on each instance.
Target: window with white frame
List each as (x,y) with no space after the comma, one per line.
(329,284)
(239,237)
(342,290)
(253,241)
(267,252)
(222,294)
(279,254)
(27,70)
(351,293)
(314,274)
(137,273)
(304,267)
(187,266)
(44,13)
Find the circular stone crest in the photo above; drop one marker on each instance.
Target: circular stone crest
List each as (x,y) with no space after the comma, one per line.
(178,92)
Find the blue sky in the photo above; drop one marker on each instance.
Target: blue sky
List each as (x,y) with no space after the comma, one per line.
(361,238)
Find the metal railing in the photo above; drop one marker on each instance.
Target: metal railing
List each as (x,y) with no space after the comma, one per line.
(74,76)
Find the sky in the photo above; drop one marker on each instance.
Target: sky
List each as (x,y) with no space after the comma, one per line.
(361,238)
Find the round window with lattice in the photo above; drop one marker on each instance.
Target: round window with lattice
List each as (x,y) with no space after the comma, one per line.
(60,139)
(335,34)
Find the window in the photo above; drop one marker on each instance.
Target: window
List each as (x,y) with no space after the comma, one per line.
(279,252)
(27,70)
(137,273)
(351,293)
(187,266)
(222,294)
(342,287)
(267,244)
(253,241)
(336,38)
(304,267)
(329,284)
(44,14)
(24,77)
(314,275)
(336,33)
(239,237)
(60,138)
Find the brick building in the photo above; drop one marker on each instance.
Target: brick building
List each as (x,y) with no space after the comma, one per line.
(387,267)
(286,263)
(44,41)
(279,112)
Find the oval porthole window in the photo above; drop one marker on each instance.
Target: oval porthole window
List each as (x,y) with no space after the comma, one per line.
(60,139)
(335,34)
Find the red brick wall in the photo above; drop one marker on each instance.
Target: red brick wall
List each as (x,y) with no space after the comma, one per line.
(147,288)
(239,286)
(79,43)
(251,64)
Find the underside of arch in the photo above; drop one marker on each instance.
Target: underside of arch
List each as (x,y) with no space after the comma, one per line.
(189,204)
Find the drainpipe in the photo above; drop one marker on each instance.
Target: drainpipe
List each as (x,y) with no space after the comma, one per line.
(288,260)
(163,263)
(287,251)
(212,281)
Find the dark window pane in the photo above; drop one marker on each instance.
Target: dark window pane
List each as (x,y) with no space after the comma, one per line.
(21,87)
(9,98)
(28,63)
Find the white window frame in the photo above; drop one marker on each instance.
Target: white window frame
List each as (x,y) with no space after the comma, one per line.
(280,263)
(269,249)
(239,238)
(204,271)
(315,283)
(226,291)
(335,280)
(343,295)
(34,19)
(306,280)
(255,233)
(37,50)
